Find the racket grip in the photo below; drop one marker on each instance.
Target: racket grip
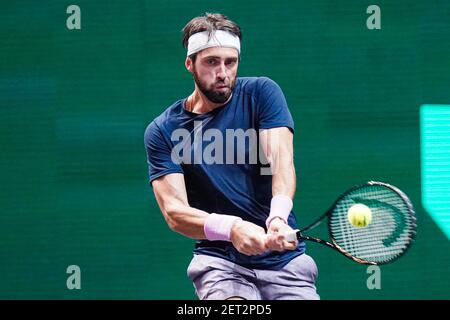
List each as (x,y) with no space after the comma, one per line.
(291,236)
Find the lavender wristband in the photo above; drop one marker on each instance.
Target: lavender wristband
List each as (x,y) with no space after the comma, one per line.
(280,207)
(218,226)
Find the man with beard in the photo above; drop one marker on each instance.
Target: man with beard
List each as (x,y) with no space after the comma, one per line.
(237,213)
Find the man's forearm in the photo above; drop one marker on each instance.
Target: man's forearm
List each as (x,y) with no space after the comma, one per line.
(283,190)
(198,224)
(277,145)
(284,179)
(187,221)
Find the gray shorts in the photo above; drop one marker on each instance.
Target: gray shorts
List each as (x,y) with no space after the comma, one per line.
(218,279)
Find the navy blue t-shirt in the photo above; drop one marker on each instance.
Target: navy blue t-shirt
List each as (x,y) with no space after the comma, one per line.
(220,171)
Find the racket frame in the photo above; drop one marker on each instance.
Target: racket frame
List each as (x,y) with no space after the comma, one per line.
(333,244)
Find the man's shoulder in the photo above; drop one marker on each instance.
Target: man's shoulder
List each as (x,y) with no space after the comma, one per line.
(165,118)
(168,114)
(255,84)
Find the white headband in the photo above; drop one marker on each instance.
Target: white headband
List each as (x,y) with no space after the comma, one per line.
(219,38)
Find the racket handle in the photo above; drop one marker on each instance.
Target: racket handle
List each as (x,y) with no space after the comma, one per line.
(292,235)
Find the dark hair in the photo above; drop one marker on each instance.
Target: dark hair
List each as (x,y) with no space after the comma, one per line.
(209,22)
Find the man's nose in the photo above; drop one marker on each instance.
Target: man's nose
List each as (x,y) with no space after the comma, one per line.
(222,71)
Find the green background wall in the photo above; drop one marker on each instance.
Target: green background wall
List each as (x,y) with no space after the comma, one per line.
(74,105)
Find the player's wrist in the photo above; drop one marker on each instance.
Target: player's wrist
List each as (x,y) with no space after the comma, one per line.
(280,209)
(276,221)
(217,227)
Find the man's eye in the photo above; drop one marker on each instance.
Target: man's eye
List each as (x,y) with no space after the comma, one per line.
(211,61)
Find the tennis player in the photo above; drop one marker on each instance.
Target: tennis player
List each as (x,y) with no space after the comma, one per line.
(221,167)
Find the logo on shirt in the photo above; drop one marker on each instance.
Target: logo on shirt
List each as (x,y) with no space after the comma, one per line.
(213,146)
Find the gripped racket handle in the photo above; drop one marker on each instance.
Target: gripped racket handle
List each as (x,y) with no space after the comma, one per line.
(292,236)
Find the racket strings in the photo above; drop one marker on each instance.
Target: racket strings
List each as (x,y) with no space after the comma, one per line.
(390,231)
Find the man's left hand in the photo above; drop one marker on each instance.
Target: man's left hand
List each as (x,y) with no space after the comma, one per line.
(275,236)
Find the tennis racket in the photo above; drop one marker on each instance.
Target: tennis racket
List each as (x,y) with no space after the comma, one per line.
(386,238)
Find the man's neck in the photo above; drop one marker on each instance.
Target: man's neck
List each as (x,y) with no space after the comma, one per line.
(197,102)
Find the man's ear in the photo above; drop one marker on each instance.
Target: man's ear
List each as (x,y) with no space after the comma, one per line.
(189,64)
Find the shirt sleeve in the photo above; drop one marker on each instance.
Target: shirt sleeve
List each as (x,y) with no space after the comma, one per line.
(273,110)
(158,154)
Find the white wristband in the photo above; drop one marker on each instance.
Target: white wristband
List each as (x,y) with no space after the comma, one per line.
(280,207)
(218,226)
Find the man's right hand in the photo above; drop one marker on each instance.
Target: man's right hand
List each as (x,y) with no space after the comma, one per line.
(248,238)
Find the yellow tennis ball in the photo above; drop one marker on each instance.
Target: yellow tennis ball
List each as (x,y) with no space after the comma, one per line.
(359,215)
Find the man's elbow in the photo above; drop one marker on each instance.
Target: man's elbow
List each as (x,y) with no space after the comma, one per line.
(170,215)
(173,225)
